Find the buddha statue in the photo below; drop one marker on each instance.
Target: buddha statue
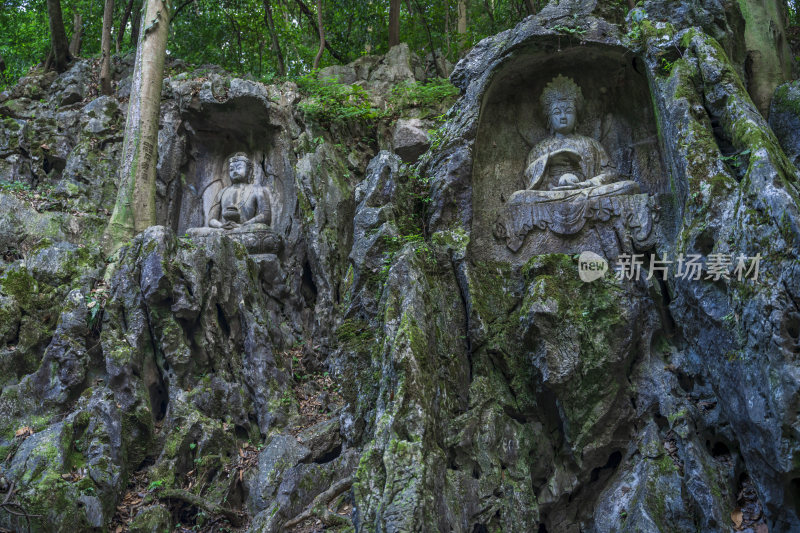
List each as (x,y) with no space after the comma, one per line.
(568,165)
(569,178)
(241,203)
(242,211)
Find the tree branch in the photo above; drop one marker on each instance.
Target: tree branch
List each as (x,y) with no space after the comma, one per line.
(235,517)
(180,8)
(310,16)
(321,500)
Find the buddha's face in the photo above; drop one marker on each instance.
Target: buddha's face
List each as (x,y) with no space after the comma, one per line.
(562,117)
(238,171)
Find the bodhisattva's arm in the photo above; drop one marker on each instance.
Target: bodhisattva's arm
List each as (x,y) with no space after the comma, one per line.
(604,171)
(535,171)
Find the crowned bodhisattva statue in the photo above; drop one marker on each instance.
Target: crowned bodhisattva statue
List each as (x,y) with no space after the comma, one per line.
(242,210)
(568,164)
(569,177)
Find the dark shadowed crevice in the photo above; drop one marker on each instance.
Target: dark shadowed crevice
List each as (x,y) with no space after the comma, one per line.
(605,471)
(159,399)
(329,456)
(223,322)
(308,288)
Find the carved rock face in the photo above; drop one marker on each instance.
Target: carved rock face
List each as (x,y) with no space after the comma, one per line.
(238,171)
(563,117)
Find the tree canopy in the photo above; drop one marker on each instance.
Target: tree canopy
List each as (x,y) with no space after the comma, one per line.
(235,35)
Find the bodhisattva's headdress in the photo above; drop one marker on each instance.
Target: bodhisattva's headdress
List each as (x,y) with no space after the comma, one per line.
(561,89)
(241,156)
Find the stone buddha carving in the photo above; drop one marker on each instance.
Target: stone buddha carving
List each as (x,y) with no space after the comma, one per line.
(242,211)
(568,165)
(242,203)
(570,180)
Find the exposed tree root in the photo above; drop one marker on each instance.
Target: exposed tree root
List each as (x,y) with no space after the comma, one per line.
(320,503)
(235,517)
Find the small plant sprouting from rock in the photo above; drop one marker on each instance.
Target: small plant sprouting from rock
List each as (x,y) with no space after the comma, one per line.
(637,17)
(95,303)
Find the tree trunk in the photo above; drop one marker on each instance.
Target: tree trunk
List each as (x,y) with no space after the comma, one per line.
(532,9)
(310,16)
(276,45)
(461,27)
(58,36)
(394,23)
(769,58)
(77,35)
(447,28)
(105,48)
(321,35)
(136,22)
(124,23)
(135,209)
(434,55)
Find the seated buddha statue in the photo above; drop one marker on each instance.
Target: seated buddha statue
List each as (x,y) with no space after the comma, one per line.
(242,203)
(568,165)
(242,211)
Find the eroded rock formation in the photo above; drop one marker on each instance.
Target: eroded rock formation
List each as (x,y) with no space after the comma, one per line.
(393,365)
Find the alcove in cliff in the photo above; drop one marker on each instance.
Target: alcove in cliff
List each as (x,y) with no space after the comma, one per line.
(617,112)
(194,164)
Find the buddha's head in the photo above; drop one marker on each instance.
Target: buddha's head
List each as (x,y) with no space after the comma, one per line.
(239,168)
(560,101)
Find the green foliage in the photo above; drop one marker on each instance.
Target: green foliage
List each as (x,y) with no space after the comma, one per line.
(95,303)
(24,37)
(738,159)
(793,10)
(572,27)
(14,186)
(434,94)
(25,33)
(330,101)
(233,33)
(637,18)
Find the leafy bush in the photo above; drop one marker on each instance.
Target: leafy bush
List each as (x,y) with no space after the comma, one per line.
(329,101)
(433,94)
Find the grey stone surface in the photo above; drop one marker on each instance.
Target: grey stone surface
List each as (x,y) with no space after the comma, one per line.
(481,390)
(784,119)
(410,139)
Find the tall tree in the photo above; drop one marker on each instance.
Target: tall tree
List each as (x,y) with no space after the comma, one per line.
(136,22)
(321,35)
(310,16)
(123,23)
(461,27)
(276,45)
(532,9)
(58,36)
(77,35)
(135,209)
(105,48)
(394,23)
